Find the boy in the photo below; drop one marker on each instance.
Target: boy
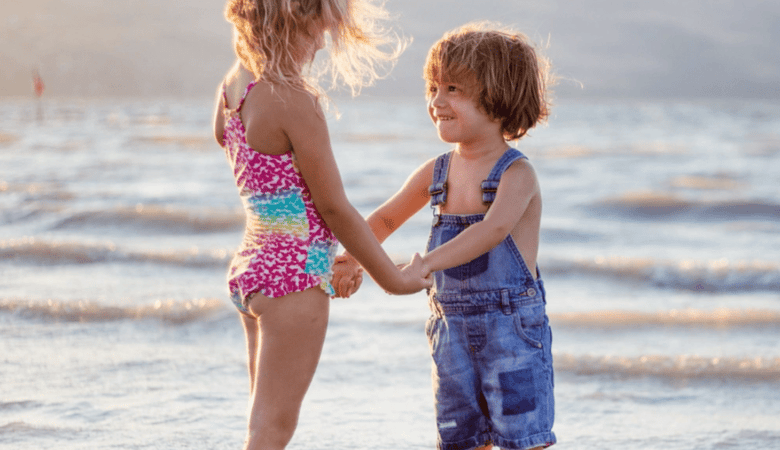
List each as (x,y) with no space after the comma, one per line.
(489,333)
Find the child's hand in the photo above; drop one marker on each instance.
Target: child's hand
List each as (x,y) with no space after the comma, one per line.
(417,276)
(347,276)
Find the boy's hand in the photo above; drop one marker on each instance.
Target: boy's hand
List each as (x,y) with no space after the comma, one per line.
(347,276)
(417,275)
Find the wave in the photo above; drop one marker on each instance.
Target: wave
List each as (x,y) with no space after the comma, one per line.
(700,182)
(681,367)
(653,205)
(157,218)
(706,276)
(17,431)
(6,138)
(171,311)
(16,405)
(371,137)
(51,191)
(193,142)
(563,235)
(31,250)
(582,151)
(719,318)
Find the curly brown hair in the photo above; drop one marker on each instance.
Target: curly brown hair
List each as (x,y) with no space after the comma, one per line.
(272,37)
(500,68)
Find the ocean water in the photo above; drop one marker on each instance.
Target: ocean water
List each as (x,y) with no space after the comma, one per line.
(660,251)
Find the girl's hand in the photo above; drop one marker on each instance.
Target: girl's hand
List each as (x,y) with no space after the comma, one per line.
(347,276)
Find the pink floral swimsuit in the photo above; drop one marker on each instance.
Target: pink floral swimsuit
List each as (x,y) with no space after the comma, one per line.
(287,246)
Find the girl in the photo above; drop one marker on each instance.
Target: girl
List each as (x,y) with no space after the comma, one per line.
(270,122)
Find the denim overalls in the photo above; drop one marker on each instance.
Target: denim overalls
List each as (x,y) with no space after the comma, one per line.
(489,336)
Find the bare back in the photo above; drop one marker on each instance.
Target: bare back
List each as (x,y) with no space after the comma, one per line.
(259,114)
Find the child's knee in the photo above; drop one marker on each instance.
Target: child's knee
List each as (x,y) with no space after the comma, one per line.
(275,429)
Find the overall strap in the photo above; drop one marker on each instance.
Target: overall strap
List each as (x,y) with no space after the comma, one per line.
(490,185)
(438,189)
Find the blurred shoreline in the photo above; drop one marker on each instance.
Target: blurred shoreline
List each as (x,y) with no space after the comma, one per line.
(146,49)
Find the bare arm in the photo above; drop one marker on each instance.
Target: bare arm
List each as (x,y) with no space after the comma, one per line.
(219,118)
(517,187)
(412,196)
(305,126)
(387,218)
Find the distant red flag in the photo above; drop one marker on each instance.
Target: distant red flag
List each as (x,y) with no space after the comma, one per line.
(38,85)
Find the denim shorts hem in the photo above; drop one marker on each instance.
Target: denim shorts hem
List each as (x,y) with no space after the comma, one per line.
(545,440)
(466,444)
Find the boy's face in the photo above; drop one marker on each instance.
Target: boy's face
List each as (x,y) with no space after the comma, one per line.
(454,110)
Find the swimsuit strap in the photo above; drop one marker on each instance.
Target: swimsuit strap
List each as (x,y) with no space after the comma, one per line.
(438,189)
(246,92)
(243,97)
(490,185)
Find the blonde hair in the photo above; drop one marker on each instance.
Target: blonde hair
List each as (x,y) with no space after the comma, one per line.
(500,68)
(272,37)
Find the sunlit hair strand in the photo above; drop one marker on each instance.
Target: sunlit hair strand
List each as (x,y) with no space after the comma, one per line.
(273,39)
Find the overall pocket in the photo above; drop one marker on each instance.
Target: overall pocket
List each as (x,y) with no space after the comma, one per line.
(470,269)
(529,323)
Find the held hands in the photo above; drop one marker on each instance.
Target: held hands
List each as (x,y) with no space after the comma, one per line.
(347,276)
(416,276)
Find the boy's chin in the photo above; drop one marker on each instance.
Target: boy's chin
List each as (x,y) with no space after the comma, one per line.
(444,137)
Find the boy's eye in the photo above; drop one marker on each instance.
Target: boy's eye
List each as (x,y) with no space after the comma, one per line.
(433,89)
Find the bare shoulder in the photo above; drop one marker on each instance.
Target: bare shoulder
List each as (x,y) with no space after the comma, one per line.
(289,108)
(521,168)
(229,91)
(283,100)
(236,80)
(421,179)
(426,168)
(520,177)
(279,118)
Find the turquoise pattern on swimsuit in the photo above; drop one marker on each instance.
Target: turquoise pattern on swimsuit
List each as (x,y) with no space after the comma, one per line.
(283,212)
(320,257)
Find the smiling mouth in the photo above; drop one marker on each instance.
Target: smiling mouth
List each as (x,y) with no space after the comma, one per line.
(444,118)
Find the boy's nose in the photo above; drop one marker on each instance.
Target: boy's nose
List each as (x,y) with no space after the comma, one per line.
(437,99)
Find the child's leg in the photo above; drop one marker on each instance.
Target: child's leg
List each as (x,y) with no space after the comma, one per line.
(291,334)
(252,338)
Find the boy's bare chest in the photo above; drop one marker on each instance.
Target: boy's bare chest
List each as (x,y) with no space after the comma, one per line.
(464,192)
